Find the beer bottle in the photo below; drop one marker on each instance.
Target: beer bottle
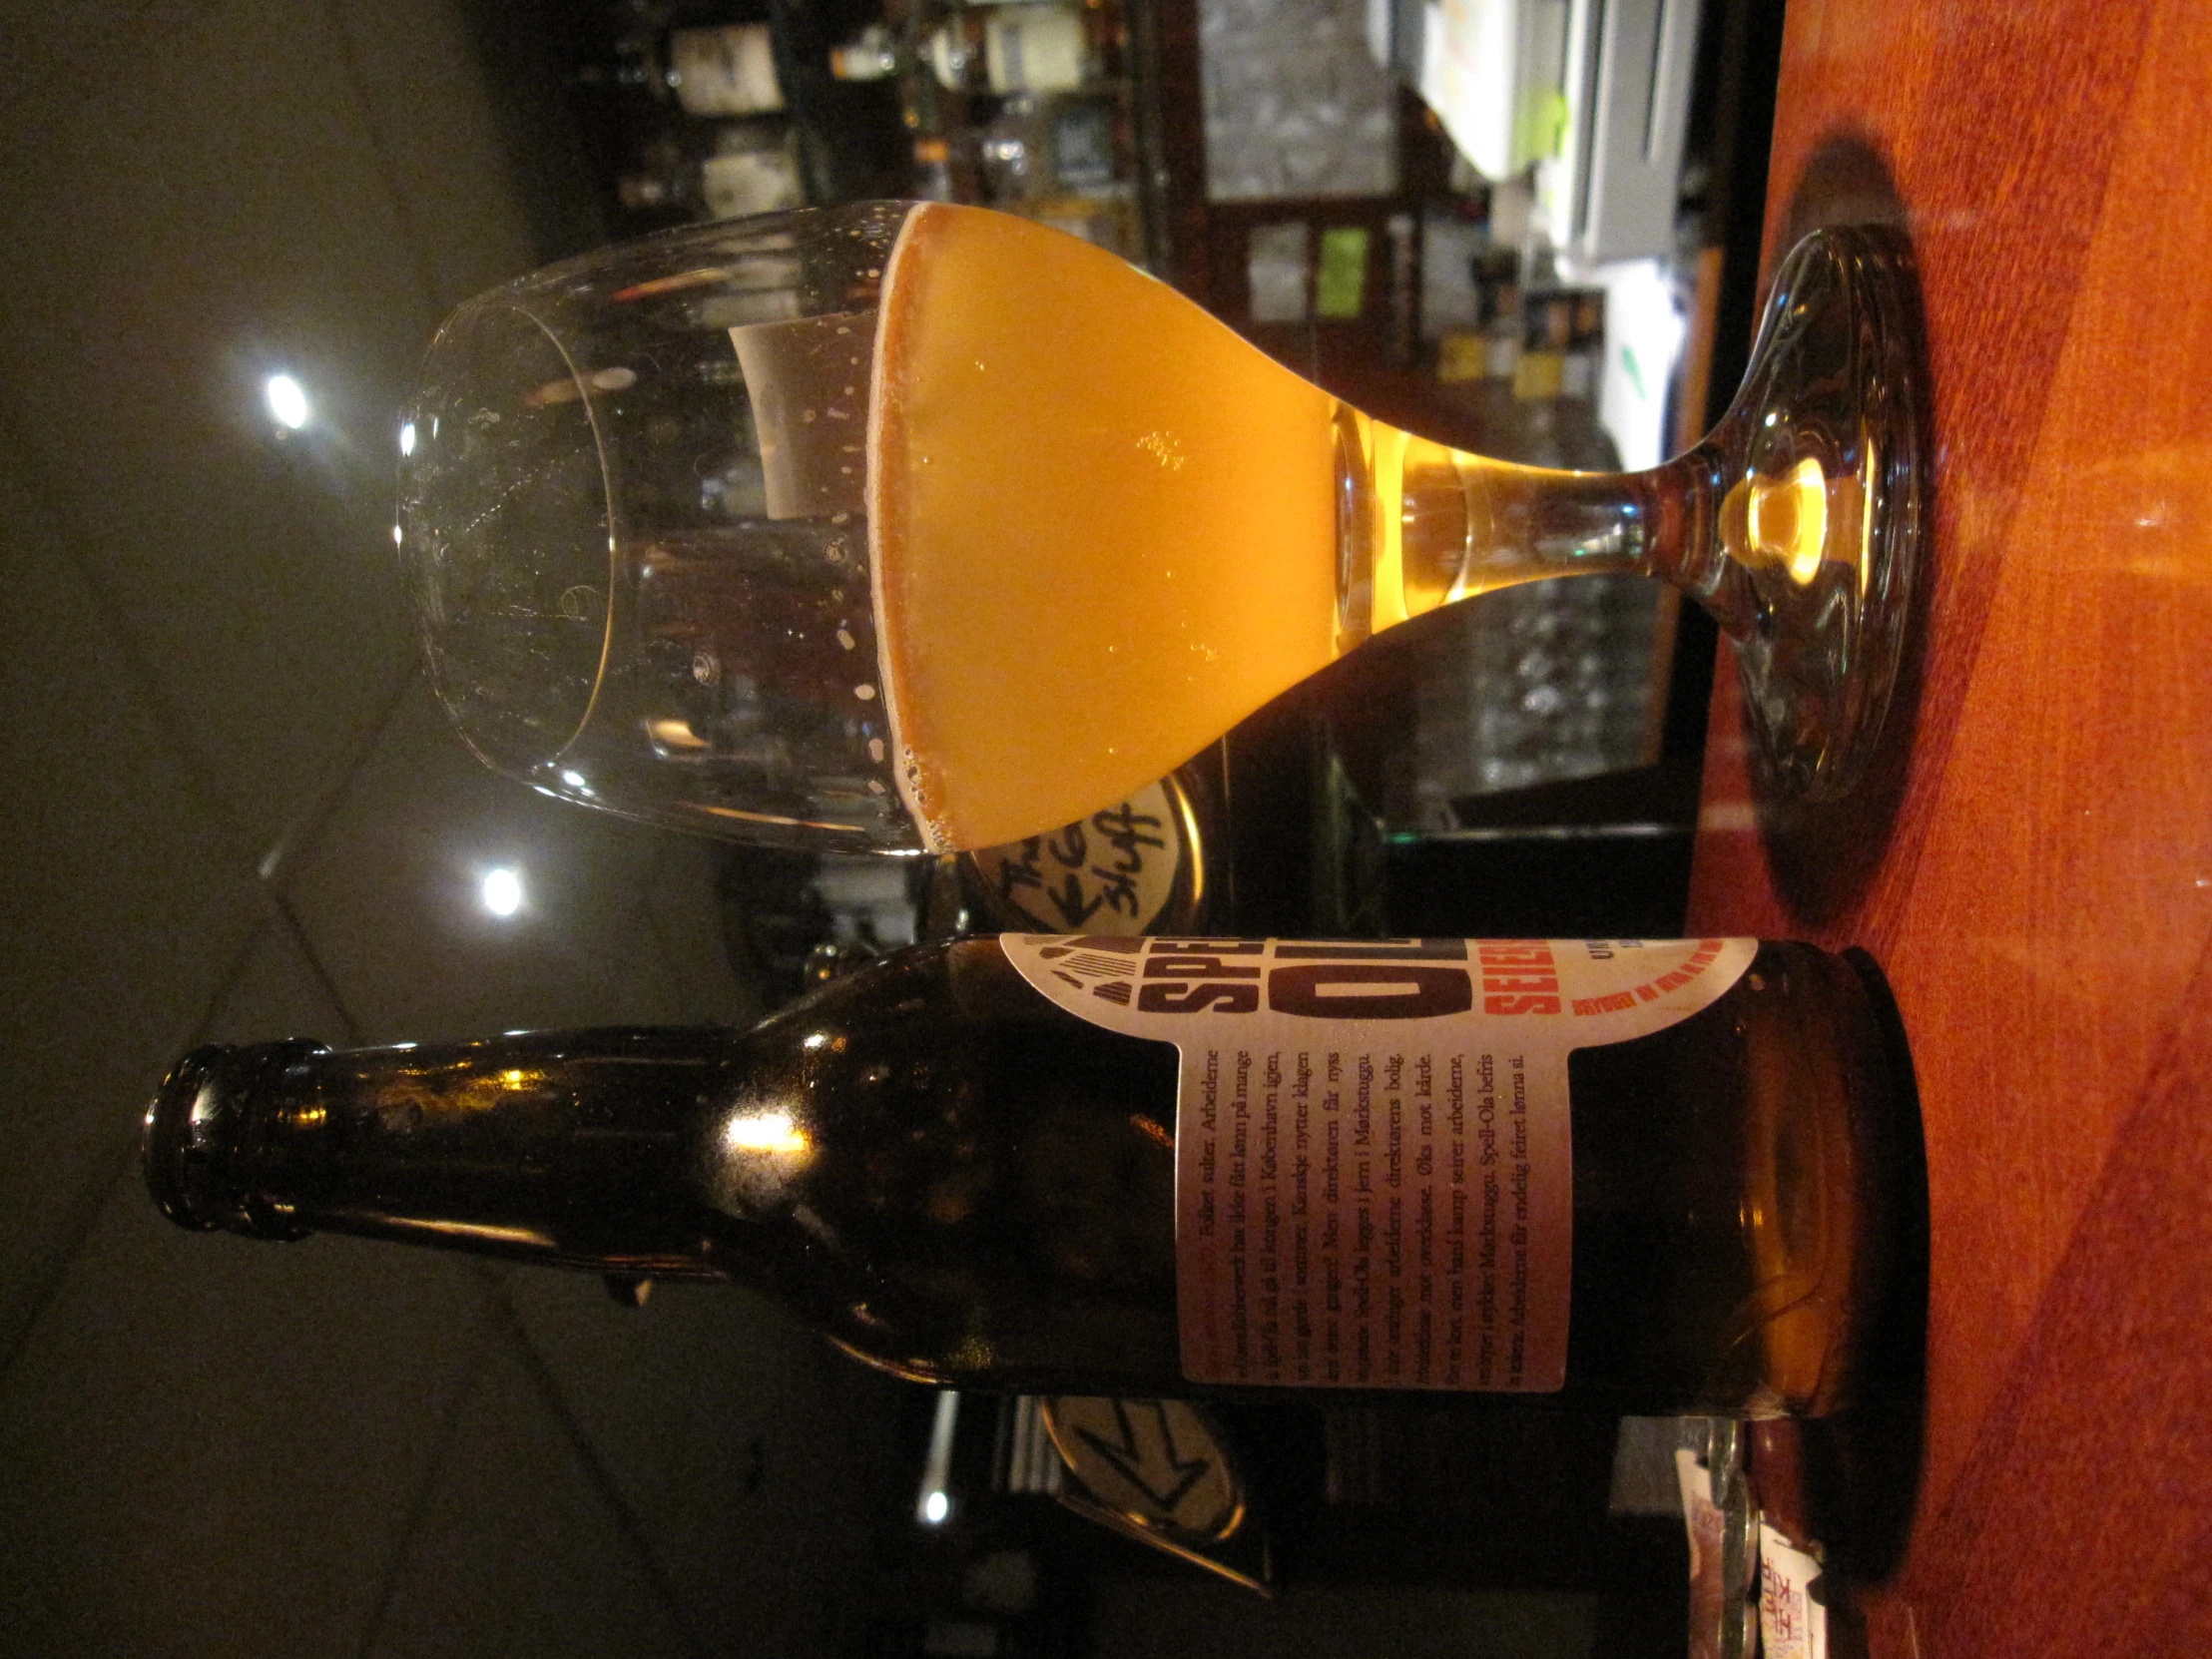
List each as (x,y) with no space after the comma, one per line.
(1639,1176)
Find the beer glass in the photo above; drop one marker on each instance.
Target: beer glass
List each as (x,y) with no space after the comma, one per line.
(907,527)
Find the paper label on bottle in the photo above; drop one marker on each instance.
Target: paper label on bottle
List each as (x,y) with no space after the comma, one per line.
(1792,1620)
(1373,1170)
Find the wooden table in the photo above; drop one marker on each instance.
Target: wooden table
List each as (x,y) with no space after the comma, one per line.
(2035,868)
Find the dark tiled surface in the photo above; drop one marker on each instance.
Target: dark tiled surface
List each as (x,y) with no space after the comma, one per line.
(389,889)
(747,1450)
(515,1550)
(240,226)
(213,1446)
(208,1445)
(125,903)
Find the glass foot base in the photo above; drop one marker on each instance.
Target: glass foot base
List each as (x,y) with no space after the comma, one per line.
(1822,516)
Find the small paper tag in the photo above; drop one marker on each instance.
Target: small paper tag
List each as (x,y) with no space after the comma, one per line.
(1706,1526)
(1793,1624)
(1112,873)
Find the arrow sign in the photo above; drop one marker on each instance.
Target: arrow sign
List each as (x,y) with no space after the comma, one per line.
(1152,1456)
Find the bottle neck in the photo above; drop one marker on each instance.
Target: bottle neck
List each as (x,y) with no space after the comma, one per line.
(569,1148)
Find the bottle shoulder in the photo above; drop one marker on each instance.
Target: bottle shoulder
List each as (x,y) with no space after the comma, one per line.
(922,991)
(939,1054)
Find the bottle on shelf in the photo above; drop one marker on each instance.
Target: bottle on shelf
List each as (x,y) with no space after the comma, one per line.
(1629,1175)
(1024,106)
(1003,50)
(724,69)
(871,54)
(690,120)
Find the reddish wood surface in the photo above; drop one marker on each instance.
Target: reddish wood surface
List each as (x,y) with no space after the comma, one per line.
(2034,867)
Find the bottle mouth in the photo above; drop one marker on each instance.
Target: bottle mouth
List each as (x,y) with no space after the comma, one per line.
(194,1140)
(179,1125)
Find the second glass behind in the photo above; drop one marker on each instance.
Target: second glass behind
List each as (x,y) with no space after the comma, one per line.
(899,527)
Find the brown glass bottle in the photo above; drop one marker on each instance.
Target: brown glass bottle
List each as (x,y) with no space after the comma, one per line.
(955,1179)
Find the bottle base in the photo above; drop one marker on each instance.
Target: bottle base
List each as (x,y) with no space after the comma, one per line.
(1875,1308)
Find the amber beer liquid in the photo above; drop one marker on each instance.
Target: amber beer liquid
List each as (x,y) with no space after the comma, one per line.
(1175,528)
(978,1165)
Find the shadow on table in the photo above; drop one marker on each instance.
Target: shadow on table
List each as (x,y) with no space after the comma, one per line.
(1863,1466)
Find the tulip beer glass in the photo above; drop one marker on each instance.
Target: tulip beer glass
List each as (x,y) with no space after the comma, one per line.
(903,527)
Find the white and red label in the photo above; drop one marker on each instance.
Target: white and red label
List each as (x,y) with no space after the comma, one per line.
(1373,1170)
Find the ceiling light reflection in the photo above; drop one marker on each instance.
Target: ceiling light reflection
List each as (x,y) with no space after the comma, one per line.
(503,891)
(406,437)
(288,401)
(933,1503)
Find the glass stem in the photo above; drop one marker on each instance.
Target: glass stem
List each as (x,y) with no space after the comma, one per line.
(1446,525)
